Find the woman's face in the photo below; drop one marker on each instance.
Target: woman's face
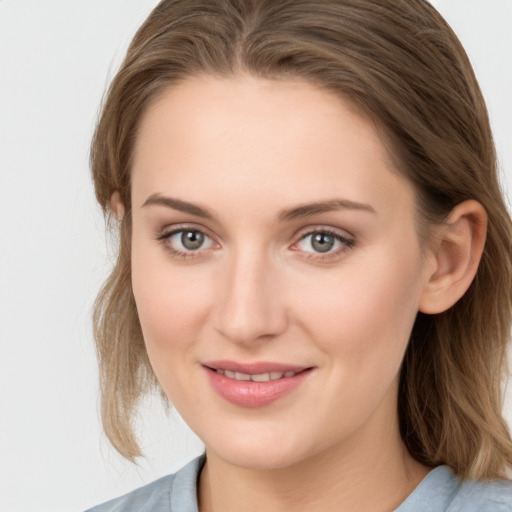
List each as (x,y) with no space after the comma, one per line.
(276,267)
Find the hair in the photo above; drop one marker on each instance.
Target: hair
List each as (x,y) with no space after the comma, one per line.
(401,65)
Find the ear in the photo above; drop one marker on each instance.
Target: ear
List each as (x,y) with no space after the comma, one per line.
(456,254)
(116,205)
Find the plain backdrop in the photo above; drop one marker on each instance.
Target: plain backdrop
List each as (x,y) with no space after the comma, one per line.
(56,57)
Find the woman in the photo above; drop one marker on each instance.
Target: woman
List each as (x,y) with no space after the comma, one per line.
(314,262)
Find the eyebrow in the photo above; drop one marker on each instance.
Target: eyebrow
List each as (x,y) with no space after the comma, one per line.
(316,208)
(177,204)
(299,212)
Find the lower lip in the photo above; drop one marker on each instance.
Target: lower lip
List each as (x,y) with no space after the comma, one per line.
(247,393)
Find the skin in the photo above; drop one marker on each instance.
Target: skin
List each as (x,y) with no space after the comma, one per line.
(245,149)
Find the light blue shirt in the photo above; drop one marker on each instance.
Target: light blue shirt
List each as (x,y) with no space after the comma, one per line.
(439,491)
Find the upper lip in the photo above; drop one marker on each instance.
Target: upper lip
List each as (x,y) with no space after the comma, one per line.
(254,368)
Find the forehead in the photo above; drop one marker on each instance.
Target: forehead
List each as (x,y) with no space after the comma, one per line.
(253,137)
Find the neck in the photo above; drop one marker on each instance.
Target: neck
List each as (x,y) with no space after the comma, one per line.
(371,474)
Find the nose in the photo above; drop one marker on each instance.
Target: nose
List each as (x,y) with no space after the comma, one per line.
(250,305)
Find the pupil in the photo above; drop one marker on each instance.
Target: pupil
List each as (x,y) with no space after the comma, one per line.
(192,240)
(322,242)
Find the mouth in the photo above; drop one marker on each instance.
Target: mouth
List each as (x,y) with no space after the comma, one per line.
(255,384)
(256,372)
(258,377)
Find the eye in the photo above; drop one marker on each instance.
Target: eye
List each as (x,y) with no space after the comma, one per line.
(188,239)
(323,242)
(185,242)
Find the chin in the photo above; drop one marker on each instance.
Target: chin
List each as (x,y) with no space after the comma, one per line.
(258,452)
(259,459)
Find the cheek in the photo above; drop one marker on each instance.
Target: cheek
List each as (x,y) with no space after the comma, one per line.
(363,312)
(171,310)
(172,304)
(361,320)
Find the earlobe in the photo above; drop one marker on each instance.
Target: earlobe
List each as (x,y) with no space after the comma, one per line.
(457,254)
(116,205)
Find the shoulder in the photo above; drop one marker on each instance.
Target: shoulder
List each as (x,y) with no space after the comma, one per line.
(442,491)
(150,498)
(172,493)
(493,496)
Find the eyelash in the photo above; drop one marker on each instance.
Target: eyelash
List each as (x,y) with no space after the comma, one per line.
(165,236)
(346,243)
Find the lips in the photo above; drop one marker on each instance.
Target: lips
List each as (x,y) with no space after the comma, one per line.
(258,377)
(255,384)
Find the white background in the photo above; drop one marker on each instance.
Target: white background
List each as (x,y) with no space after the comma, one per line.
(56,57)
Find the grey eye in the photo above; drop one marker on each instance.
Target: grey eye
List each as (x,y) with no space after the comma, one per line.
(322,242)
(188,240)
(192,240)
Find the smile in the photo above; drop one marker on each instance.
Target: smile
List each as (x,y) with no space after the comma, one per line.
(259,377)
(256,384)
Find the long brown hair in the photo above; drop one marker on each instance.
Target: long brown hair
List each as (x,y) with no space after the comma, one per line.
(400,64)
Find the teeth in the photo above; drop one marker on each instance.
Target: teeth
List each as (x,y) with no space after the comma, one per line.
(260,377)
